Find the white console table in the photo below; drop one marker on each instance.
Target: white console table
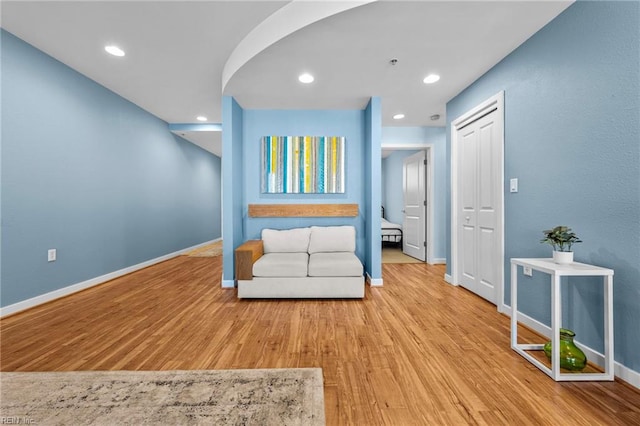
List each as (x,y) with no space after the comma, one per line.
(557,271)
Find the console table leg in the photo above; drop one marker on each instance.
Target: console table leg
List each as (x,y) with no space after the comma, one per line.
(514,305)
(608,326)
(555,326)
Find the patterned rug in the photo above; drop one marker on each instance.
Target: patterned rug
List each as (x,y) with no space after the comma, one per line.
(214,397)
(210,250)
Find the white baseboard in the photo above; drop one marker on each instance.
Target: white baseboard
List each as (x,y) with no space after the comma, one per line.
(438,261)
(622,372)
(628,375)
(449,279)
(228,283)
(374,282)
(62,292)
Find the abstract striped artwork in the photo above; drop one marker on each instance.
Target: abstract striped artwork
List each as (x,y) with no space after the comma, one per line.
(303,164)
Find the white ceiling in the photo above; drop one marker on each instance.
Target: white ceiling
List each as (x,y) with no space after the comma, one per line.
(177,51)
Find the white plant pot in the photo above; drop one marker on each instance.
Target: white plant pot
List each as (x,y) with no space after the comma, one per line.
(563,257)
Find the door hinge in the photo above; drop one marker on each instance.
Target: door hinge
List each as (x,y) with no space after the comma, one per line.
(424,243)
(425,162)
(424,203)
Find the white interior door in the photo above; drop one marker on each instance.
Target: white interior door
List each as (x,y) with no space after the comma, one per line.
(480,204)
(414,206)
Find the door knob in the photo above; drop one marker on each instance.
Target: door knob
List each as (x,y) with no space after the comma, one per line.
(467,218)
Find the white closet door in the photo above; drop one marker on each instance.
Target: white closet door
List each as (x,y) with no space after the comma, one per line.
(479,201)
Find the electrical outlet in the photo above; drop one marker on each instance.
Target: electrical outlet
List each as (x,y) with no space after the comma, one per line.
(527,271)
(51,255)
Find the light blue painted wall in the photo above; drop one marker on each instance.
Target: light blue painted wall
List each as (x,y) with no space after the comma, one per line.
(233,178)
(383,179)
(259,123)
(92,175)
(572,137)
(436,137)
(373,188)
(392,187)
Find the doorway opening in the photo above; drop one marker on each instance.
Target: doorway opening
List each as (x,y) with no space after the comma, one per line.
(417,231)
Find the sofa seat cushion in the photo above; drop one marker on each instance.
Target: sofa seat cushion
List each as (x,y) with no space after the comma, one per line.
(337,264)
(286,241)
(281,265)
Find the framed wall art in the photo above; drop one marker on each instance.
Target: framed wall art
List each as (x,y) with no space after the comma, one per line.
(302,164)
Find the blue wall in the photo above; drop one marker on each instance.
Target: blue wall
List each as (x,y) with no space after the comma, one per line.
(232,178)
(242,134)
(436,137)
(572,137)
(92,175)
(259,123)
(373,188)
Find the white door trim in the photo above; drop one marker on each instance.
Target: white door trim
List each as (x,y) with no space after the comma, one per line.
(429,148)
(494,102)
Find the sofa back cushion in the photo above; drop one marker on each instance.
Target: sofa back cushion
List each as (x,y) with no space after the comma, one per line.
(286,241)
(327,239)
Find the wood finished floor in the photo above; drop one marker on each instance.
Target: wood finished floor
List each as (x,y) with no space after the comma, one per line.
(416,351)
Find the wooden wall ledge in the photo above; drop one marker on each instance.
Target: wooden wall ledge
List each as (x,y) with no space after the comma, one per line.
(303,210)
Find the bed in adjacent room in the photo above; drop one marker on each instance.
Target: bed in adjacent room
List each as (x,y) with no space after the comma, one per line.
(391,232)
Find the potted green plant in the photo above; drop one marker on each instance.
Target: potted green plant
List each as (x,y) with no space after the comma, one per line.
(561,238)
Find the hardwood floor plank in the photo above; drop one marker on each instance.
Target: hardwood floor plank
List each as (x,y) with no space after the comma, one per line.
(416,351)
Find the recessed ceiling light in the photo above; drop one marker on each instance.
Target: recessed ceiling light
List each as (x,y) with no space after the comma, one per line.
(306,78)
(201,118)
(431,78)
(114,50)
(435,117)
(398,116)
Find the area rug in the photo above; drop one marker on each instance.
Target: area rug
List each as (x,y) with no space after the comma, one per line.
(395,255)
(210,250)
(214,397)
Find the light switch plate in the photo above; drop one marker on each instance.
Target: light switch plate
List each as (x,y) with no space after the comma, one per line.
(51,255)
(513,185)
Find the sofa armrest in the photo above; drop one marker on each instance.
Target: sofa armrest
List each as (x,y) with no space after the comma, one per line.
(246,256)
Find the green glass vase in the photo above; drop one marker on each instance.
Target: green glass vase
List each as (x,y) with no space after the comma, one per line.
(571,356)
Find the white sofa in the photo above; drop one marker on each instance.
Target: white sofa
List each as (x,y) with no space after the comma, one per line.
(315,262)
